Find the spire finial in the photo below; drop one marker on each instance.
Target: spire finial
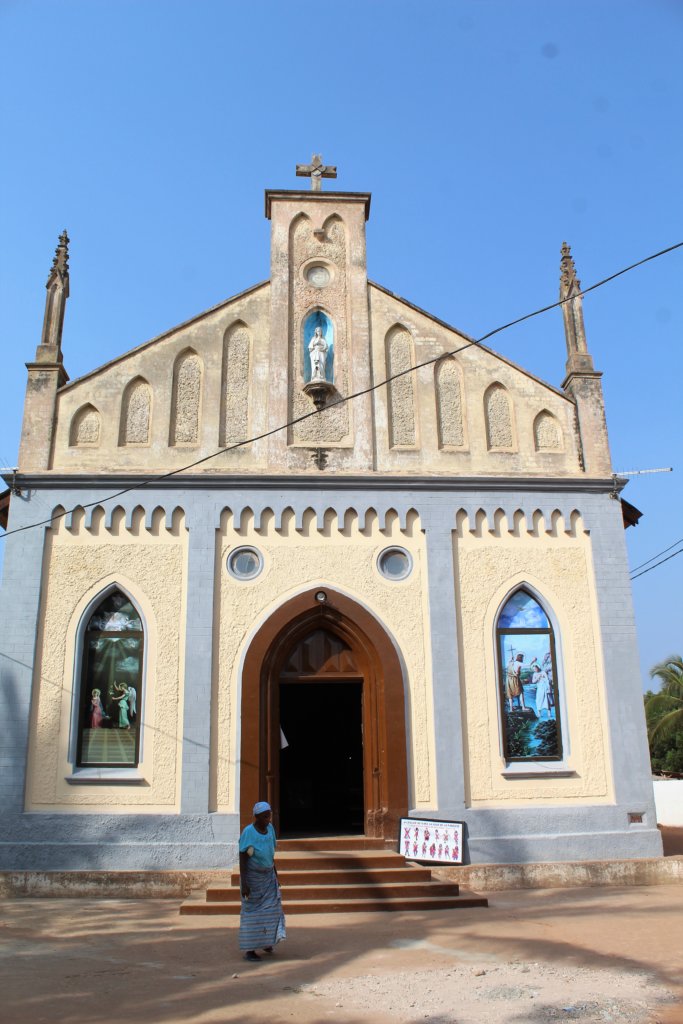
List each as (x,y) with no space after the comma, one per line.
(578,357)
(55,302)
(569,282)
(60,263)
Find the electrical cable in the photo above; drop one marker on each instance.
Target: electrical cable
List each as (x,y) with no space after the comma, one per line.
(343,399)
(679,552)
(648,560)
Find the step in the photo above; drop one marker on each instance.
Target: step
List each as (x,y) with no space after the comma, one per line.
(331,843)
(344,879)
(221,893)
(353,876)
(198,906)
(313,860)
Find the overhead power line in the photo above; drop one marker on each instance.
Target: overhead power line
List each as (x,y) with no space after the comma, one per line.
(348,398)
(658,555)
(669,557)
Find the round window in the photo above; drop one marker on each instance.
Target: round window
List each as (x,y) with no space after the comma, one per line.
(318,275)
(394,563)
(245,563)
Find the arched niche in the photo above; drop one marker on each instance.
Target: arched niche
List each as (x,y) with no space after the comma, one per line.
(401,391)
(318,325)
(187,396)
(498,416)
(236,381)
(85,427)
(136,413)
(449,403)
(547,433)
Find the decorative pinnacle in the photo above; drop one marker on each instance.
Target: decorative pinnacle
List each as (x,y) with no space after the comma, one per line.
(60,263)
(569,282)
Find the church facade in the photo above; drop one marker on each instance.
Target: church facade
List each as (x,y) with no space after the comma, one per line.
(276,562)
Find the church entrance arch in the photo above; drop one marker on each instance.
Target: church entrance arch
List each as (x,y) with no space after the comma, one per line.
(323,672)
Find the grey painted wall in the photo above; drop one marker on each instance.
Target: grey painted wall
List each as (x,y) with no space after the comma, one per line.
(199,839)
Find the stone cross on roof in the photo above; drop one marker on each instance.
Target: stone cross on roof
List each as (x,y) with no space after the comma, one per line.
(316,171)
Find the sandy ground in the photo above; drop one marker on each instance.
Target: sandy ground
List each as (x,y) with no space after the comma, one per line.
(530,957)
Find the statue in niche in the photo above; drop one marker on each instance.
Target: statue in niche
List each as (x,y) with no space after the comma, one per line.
(318,348)
(318,352)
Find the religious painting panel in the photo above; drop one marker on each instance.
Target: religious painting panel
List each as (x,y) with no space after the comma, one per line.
(111,686)
(528,681)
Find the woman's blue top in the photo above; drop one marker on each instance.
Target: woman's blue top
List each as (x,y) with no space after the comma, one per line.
(264,845)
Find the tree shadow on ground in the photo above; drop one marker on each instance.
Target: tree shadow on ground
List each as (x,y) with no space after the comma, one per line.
(119,961)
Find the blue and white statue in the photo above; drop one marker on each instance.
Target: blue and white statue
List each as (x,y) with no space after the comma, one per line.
(318,348)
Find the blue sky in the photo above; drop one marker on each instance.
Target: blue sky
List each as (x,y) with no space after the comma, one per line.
(488,132)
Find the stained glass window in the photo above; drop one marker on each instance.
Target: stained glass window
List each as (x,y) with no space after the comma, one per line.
(528,681)
(111,685)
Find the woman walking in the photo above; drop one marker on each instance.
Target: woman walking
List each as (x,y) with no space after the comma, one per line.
(262,923)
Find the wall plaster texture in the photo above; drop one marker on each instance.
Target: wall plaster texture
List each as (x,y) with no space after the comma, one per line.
(489,566)
(449,391)
(334,426)
(464,448)
(401,392)
(222,400)
(136,411)
(201,390)
(337,553)
(515,828)
(202,400)
(78,564)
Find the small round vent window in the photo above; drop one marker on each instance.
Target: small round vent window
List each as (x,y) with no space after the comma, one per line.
(394,563)
(245,563)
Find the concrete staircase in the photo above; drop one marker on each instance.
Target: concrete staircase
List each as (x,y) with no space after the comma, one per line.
(338,875)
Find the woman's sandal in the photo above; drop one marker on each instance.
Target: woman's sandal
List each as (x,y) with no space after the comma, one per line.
(251,955)
(268,949)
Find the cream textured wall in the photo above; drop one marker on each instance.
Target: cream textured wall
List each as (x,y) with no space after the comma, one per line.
(491,562)
(480,368)
(185,417)
(210,387)
(322,554)
(151,565)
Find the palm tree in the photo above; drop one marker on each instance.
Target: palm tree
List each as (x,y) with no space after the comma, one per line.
(664,710)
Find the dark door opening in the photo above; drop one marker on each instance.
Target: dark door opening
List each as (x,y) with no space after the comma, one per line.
(321,768)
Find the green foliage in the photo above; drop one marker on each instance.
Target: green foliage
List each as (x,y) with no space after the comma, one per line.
(664,716)
(518,736)
(546,732)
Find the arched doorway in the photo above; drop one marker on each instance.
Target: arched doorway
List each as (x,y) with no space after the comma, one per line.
(324,668)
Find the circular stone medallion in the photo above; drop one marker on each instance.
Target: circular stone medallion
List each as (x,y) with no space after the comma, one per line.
(318,276)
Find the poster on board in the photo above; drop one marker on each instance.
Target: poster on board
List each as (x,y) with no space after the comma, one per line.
(434,842)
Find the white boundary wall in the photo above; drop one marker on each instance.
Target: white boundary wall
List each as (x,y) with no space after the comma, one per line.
(669,801)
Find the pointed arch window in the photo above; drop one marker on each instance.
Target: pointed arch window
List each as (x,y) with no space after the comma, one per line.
(527,672)
(111,685)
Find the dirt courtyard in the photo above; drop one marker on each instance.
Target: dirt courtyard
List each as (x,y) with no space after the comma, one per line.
(598,954)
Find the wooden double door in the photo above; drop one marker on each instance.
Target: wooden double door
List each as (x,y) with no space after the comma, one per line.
(318,770)
(323,721)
